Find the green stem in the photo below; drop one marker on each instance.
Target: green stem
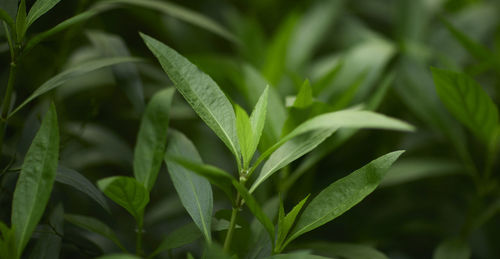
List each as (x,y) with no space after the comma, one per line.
(232,224)
(6,102)
(139,232)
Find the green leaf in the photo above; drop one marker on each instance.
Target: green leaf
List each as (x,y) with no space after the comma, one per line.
(126,192)
(215,251)
(258,118)
(468,103)
(255,208)
(152,138)
(38,9)
(126,75)
(245,135)
(71,74)
(49,243)
(7,242)
(6,17)
(311,133)
(194,191)
(79,182)
(346,250)
(201,92)
(214,175)
(453,248)
(94,225)
(342,195)
(285,223)
(182,14)
(21,21)
(297,255)
(119,256)
(181,236)
(304,97)
(36,179)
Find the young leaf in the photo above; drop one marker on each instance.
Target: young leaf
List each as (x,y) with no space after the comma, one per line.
(258,118)
(95,226)
(38,9)
(255,208)
(194,191)
(342,195)
(318,129)
(304,97)
(245,135)
(70,74)
(468,103)
(453,248)
(36,179)
(7,242)
(126,192)
(79,182)
(49,243)
(152,138)
(201,92)
(21,21)
(286,223)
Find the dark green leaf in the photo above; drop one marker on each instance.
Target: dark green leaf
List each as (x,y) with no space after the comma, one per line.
(468,102)
(152,138)
(346,250)
(49,243)
(201,92)
(126,192)
(194,191)
(7,242)
(36,179)
(453,248)
(119,256)
(6,17)
(342,195)
(21,21)
(181,236)
(38,9)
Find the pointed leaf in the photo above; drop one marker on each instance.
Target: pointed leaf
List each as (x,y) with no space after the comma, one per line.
(126,192)
(94,225)
(49,243)
(21,21)
(79,182)
(245,135)
(342,195)
(258,118)
(181,236)
(36,179)
(194,191)
(72,73)
(287,223)
(468,103)
(311,133)
(7,242)
(6,17)
(255,208)
(38,9)
(152,138)
(201,92)
(304,97)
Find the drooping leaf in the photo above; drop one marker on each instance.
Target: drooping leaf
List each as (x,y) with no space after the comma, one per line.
(311,133)
(286,223)
(181,13)
(126,74)
(49,243)
(468,103)
(342,195)
(38,9)
(126,192)
(453,248)
(201,92)
(346,250)
(255,208)
(245,135)
(152,138)
(70,74)
(74,179)
(94,225)
(36,179)
(194,191)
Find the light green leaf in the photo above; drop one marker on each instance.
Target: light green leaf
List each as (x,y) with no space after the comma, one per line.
(285,223)
(194,191)
(79,182)
(453,248)
(38,9)
(49,243)
(468,103)
(201,92)
(119,256)
(245,135)
(36,179)
(304,97)
(21,21)
(312,132)
(255,208)
(258,118)
(342,195)
(94,225)
(126,192)
(152,138)
(182,14)
(346,250)
(71,74)
(126,74)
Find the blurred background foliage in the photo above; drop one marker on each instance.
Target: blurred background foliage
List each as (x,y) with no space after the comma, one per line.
(375,53)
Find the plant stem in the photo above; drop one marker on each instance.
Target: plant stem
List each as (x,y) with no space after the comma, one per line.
(6,102)
(232,224)
(139,232)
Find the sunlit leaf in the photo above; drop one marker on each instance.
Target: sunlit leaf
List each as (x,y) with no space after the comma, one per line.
(245,135)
